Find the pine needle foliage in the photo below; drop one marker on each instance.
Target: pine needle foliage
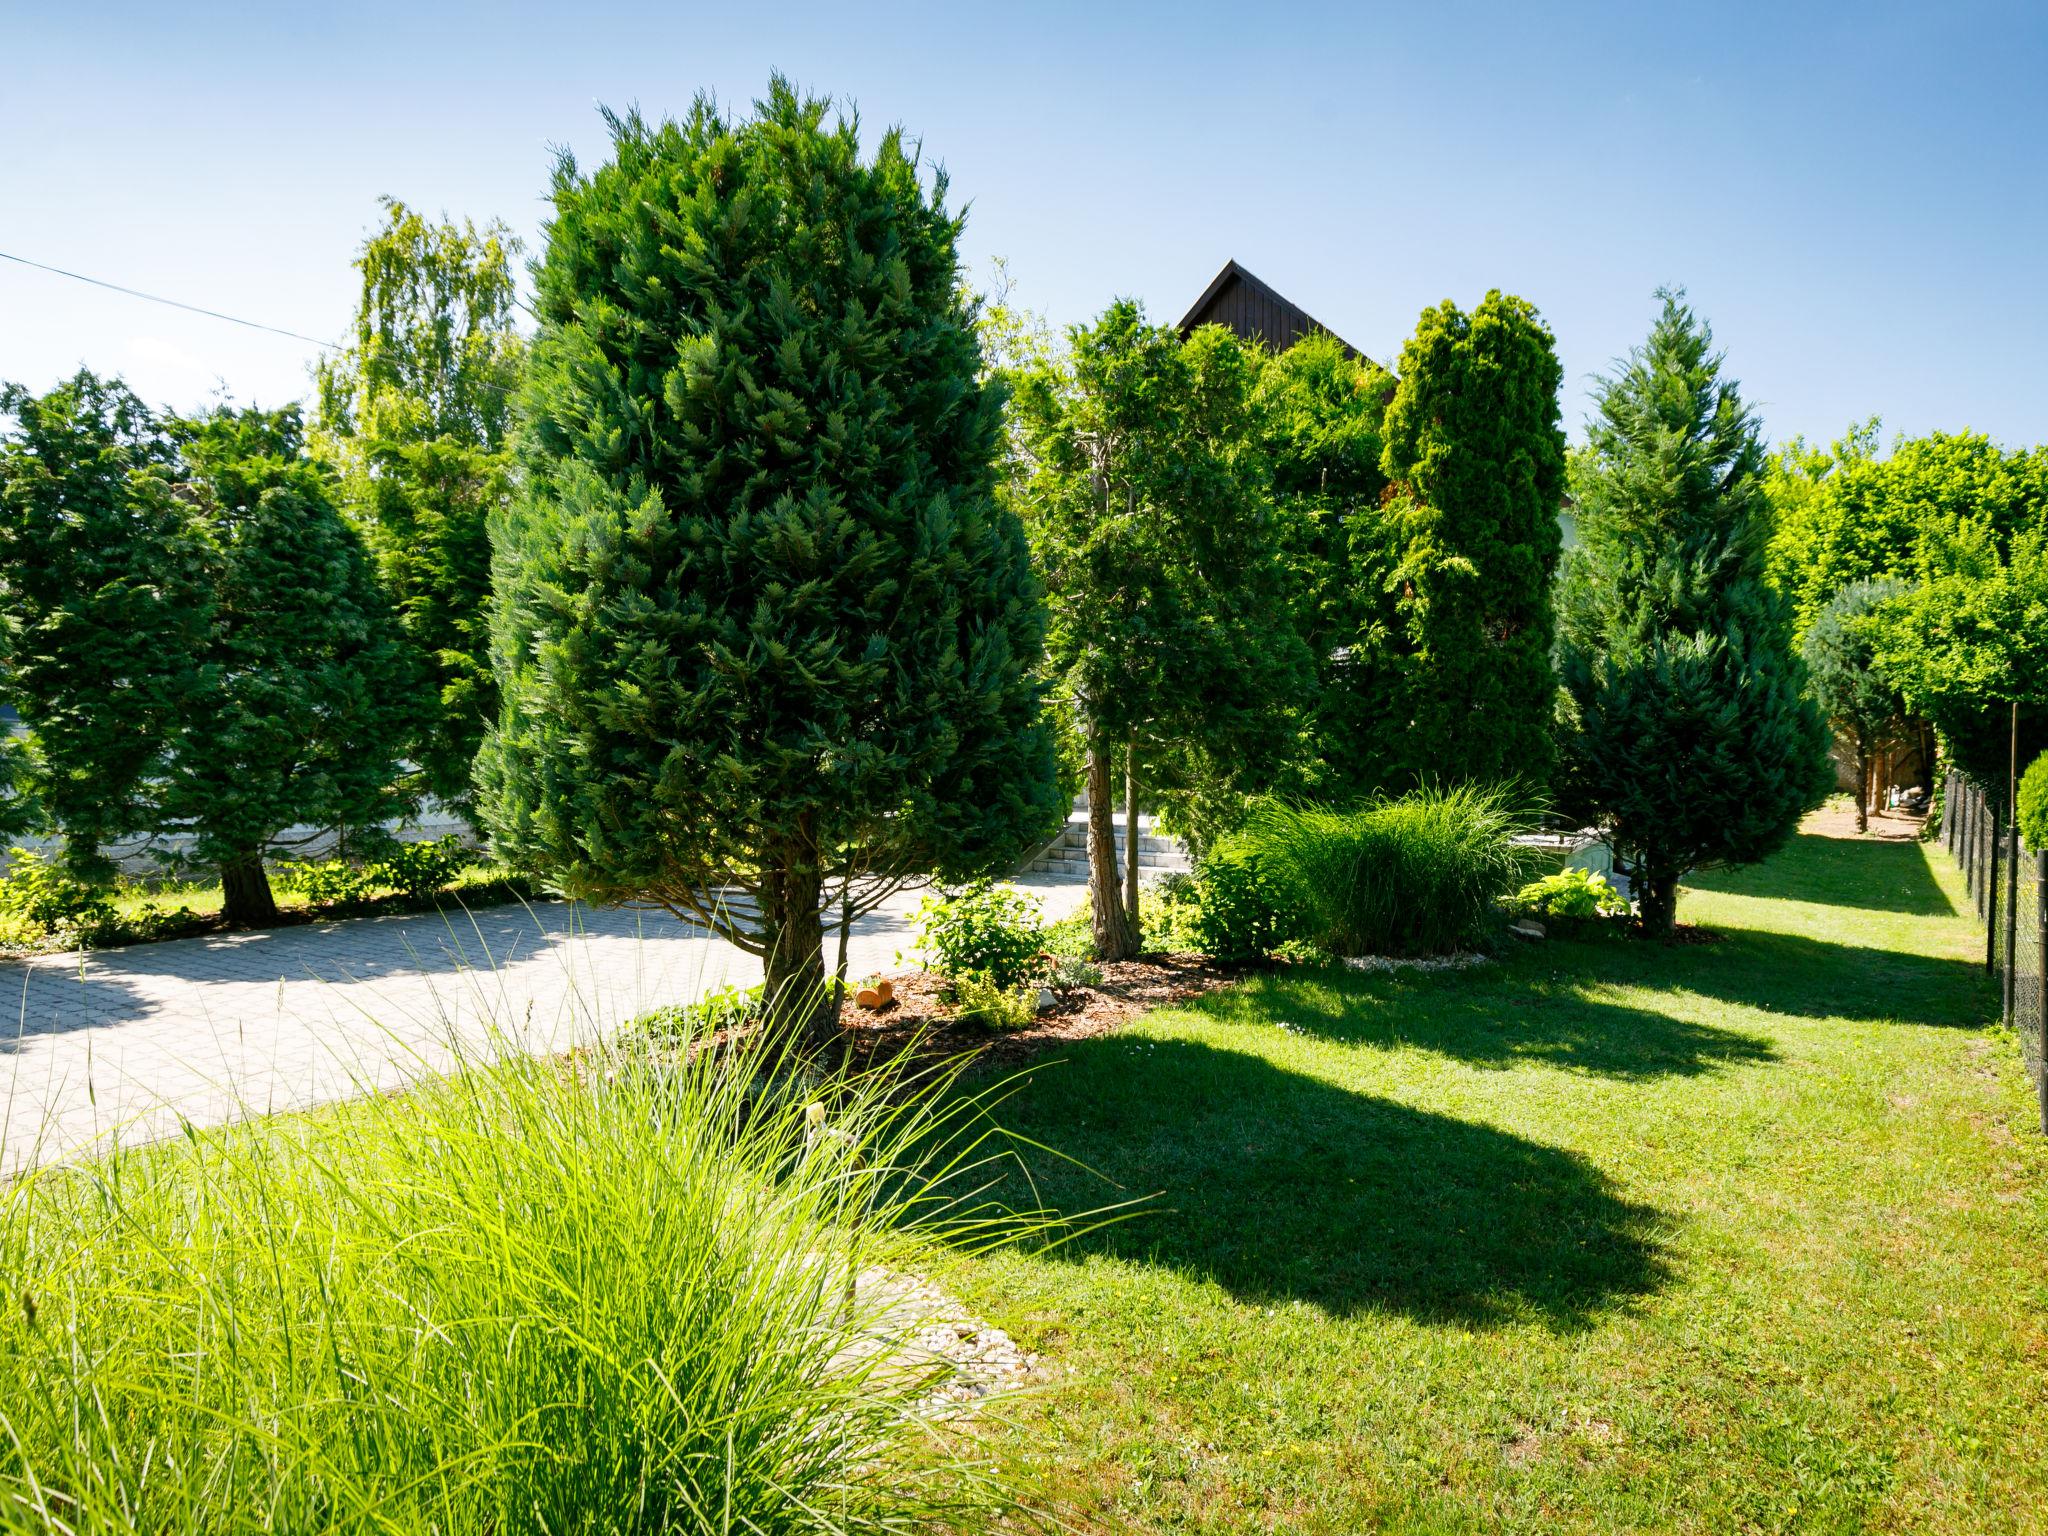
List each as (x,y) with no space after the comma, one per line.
(761,627)
(1688,731)
(1462,685)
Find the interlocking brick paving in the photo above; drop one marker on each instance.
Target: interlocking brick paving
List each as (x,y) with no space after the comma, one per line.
(132,1042)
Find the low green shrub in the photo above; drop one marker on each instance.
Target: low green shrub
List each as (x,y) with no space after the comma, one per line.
(40,898)
(1070,972)
(1573,894)
(617,1291)
(979,1000)
(983,930)
(1241,910)
(726,1008)
(1171,913)
(2033,806)
(326,882)
(1417,875)
(418,870)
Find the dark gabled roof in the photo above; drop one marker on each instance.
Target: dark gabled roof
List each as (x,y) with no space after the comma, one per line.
(1255,311)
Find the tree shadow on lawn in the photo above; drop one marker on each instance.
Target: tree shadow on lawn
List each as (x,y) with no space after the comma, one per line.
(1499,1019)
(1869,876)
(1279,1186)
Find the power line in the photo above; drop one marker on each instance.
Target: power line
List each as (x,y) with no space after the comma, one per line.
(154,298)
(211,314)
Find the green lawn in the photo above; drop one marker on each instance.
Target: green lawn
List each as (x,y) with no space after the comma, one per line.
(1744,1236)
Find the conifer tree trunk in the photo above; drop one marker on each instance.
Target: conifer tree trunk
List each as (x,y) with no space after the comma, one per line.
(246,901)
(1864,774)
(1656,892)
(794,996)
(1131,842)
(1112,924)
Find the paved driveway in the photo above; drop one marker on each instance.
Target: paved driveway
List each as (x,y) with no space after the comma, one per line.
(130,1042)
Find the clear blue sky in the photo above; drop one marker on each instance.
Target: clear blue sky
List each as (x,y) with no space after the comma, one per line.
(1856,195)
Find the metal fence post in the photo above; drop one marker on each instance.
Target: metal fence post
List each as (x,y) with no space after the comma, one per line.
(1990,902)
(2012,913)
(2041,979)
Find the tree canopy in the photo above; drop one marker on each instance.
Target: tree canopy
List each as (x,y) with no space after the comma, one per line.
(1145,493)
(193,636)
(1859,699)
(1687,730)
(1475,460)
(416,416)
(765,641)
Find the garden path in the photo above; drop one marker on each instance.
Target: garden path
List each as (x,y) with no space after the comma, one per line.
(129,1043)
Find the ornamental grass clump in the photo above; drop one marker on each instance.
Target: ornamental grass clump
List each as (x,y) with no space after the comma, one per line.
(1417,875)
(623,1290)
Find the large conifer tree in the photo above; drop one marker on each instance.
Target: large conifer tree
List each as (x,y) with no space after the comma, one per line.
(1456,664)
(103,604)
(1688,734)
(192,634)
(761,629)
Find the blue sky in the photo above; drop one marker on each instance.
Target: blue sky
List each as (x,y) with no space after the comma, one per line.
(1856,196)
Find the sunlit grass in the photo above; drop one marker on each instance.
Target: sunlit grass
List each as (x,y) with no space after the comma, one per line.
(610,1292)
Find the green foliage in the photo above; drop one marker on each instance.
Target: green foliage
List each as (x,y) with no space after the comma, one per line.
(415,415)
(104,605)
(1241,913)
(1449,674)
(2033,804)
(1858,698)
(1840,652)
(984,930)
(715,1013)
(195,640)
(760,624)
(614,1291)
(1322,411)
(1070,973)
(1850,514)
(1687,731)
(1573,894)
(1143,484)
(40,897)
(1971,644)
(20,810)
(980,999)
(1417,875)
(327,882)
(417,870)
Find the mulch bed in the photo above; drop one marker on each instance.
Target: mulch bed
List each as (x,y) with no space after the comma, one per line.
(919,1018)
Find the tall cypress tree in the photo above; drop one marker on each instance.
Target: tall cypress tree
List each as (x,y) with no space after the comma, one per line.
(303,692)
(106,604)
(416,415)
(1689,735)
(192,634)
(1475,457)
(761,628)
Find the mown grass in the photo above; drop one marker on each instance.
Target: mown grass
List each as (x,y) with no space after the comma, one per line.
(615,1293)
(1745,1236)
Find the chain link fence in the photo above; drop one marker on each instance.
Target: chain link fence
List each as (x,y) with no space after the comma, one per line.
(2008,884)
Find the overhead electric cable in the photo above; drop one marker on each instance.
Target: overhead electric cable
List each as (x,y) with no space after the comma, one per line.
(155,298)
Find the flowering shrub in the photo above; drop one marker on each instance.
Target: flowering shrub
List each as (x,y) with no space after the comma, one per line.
(982,930)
